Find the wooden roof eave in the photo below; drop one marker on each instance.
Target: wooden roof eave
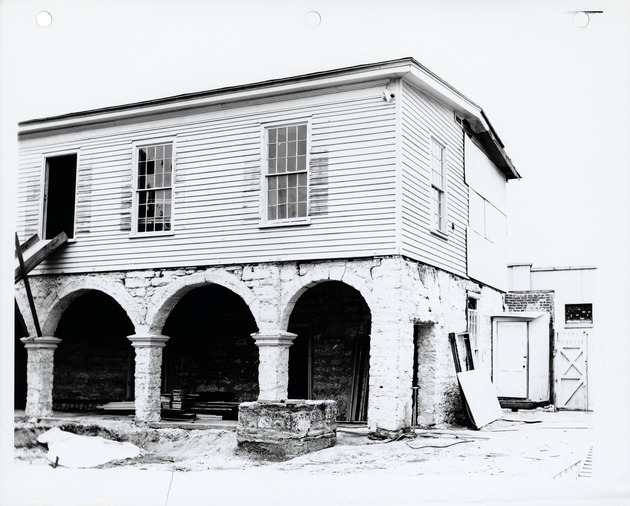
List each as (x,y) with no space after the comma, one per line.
(407,68)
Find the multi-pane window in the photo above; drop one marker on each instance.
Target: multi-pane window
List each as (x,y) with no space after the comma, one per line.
(473,326)
(578,313)
(438,178)
(286,173)
(154,187)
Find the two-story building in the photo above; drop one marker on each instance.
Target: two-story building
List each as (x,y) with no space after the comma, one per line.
(316,236)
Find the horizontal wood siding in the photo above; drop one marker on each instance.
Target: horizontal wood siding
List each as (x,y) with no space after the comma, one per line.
(422,117)
(217,187)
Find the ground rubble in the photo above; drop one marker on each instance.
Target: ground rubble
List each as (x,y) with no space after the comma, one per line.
(533,444)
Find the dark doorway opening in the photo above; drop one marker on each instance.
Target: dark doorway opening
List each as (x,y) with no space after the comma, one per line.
(330,355)
(300,374)
(94,361)
(19,361)
(60,192)
(211,350)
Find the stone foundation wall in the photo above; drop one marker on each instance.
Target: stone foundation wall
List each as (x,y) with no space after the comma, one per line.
(398,292)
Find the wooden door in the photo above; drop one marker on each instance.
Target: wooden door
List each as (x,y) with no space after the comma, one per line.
(511,359)
(571,366)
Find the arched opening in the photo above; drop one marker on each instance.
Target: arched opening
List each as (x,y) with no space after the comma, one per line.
(329,358)
(211,351)
(94,363)
(19,361)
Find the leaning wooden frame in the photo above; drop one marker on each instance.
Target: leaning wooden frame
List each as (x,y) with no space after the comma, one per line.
(477,391)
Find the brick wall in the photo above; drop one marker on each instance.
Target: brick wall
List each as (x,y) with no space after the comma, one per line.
(531,300)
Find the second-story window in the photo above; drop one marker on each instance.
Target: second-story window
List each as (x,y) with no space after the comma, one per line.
(154,173)
(438,184)
(286,172)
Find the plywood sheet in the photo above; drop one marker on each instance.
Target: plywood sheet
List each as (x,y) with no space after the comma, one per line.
(480,397)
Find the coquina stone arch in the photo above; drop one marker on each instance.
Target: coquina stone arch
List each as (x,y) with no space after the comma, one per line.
(68,291)
(166,298)
(352,274)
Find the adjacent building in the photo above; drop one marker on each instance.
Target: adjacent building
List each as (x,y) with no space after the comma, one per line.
(566,295)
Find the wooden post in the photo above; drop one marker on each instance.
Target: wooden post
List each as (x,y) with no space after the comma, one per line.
(27,286)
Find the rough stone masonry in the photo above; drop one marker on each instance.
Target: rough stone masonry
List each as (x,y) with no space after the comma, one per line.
(399,293)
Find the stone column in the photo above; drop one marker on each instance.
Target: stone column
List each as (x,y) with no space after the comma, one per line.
(273,370)
(39,375)
(148,375)
(391,350)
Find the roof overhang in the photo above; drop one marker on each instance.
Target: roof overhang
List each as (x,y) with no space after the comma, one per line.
(474,119)
(525,316)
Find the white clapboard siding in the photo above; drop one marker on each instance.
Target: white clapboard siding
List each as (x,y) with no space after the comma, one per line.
(217,186)
(422,116)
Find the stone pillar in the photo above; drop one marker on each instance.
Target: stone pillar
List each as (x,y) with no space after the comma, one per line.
(39,375)
(391,350)
(273,370)
(148,375)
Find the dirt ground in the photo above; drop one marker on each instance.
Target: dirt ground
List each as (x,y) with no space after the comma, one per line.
(529,457)
(525,444)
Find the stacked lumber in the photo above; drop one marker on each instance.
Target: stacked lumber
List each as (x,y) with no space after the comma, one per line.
(165,401)
(227,410)
(357,400)
(119,407)
(178,400)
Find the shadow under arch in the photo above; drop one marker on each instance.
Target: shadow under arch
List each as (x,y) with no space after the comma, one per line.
(60,300)
(330,356)
(210,351)
(94,361)
(171,294)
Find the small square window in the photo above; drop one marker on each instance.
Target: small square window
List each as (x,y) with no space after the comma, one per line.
(578,313)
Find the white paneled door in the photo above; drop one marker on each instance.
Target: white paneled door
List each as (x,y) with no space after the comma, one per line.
(511,353)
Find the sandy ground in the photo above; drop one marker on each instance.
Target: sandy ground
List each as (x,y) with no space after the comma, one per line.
(534,444)
(528,447)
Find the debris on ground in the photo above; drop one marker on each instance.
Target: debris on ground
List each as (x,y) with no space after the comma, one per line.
(72,450)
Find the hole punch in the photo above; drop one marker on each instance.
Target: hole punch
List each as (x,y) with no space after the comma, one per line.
(44,19)
(313,19)
(581,19)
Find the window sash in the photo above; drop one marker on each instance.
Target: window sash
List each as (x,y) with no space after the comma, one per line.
(154,182)
(438,178)
(286,178)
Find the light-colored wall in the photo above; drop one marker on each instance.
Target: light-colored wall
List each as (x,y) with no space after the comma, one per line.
(217,186)
(575,285)
(369,186)
(487,230)
(539,389)
(571,286)
(423,117)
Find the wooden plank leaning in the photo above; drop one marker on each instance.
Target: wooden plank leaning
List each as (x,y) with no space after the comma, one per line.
(478,394)
(27,286)
(36,253)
